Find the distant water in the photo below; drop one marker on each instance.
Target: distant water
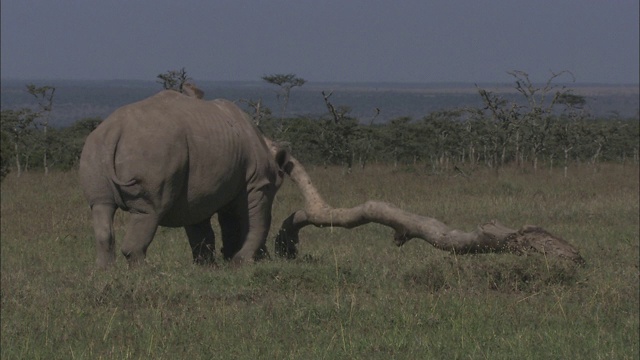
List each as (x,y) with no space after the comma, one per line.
(75,100)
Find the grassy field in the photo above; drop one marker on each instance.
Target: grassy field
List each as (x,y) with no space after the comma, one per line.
(351,294)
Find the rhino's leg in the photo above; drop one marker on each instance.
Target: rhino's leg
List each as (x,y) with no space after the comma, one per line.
(233,226)
(102,218)
(253,244)
(140,231)
(202,241)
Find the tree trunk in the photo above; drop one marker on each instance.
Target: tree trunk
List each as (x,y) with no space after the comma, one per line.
(395,157)
(46,148)
(491,237)
(566,162)
(594,158)
(18,167)
(517,154)
(472,154)
(486,158)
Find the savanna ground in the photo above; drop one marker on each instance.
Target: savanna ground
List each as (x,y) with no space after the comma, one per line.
(351,294)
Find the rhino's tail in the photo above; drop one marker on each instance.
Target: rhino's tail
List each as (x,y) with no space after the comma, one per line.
(112,166)
(116,183)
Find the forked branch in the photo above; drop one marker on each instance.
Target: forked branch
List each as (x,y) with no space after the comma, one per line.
(491,237)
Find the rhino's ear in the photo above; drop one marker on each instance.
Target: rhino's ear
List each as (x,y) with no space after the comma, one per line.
(191,90)
(283,159)
(280,155)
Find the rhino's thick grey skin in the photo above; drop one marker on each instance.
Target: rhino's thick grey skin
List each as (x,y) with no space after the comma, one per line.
(173,160)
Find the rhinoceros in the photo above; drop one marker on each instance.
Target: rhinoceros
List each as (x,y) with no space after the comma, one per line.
(174,160)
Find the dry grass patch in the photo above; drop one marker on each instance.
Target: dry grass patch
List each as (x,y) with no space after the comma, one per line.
(351,293)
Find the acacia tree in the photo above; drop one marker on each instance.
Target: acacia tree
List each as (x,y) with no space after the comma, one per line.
(527,125)
(567,133)
(472,134)
(569,130)
(337,134)
(174,79)
(397,136)
(539,115)
(364,143)
(67,146)
(286,82)
(44,96)
(18,125)
(4,158)
(505,123)
(445,131)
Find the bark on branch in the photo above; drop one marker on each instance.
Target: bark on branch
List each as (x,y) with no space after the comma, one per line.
(491,237)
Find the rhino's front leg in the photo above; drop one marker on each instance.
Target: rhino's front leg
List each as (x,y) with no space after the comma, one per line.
(258,223)
(233,226)
(202,241)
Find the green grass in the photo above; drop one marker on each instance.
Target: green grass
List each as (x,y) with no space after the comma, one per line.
(351,294)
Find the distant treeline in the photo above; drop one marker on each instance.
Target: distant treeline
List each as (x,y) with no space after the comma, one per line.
(443,140)
(23,147)
(438,142)
(546,125)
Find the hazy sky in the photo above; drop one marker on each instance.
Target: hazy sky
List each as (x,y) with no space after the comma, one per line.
(321,40)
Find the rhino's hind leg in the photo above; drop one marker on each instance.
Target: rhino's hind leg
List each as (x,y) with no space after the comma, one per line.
(140,231)
(202,241)
(102,218)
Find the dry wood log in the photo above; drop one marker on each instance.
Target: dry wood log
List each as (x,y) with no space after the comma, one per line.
(491,237)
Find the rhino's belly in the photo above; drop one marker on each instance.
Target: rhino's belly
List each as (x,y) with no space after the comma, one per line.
(196,208)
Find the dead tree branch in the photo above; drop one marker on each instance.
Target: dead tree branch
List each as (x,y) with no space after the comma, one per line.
(491,237)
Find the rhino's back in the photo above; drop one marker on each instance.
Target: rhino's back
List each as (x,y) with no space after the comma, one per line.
(190,157)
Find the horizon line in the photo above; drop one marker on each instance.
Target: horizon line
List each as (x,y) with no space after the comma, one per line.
(366,82)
